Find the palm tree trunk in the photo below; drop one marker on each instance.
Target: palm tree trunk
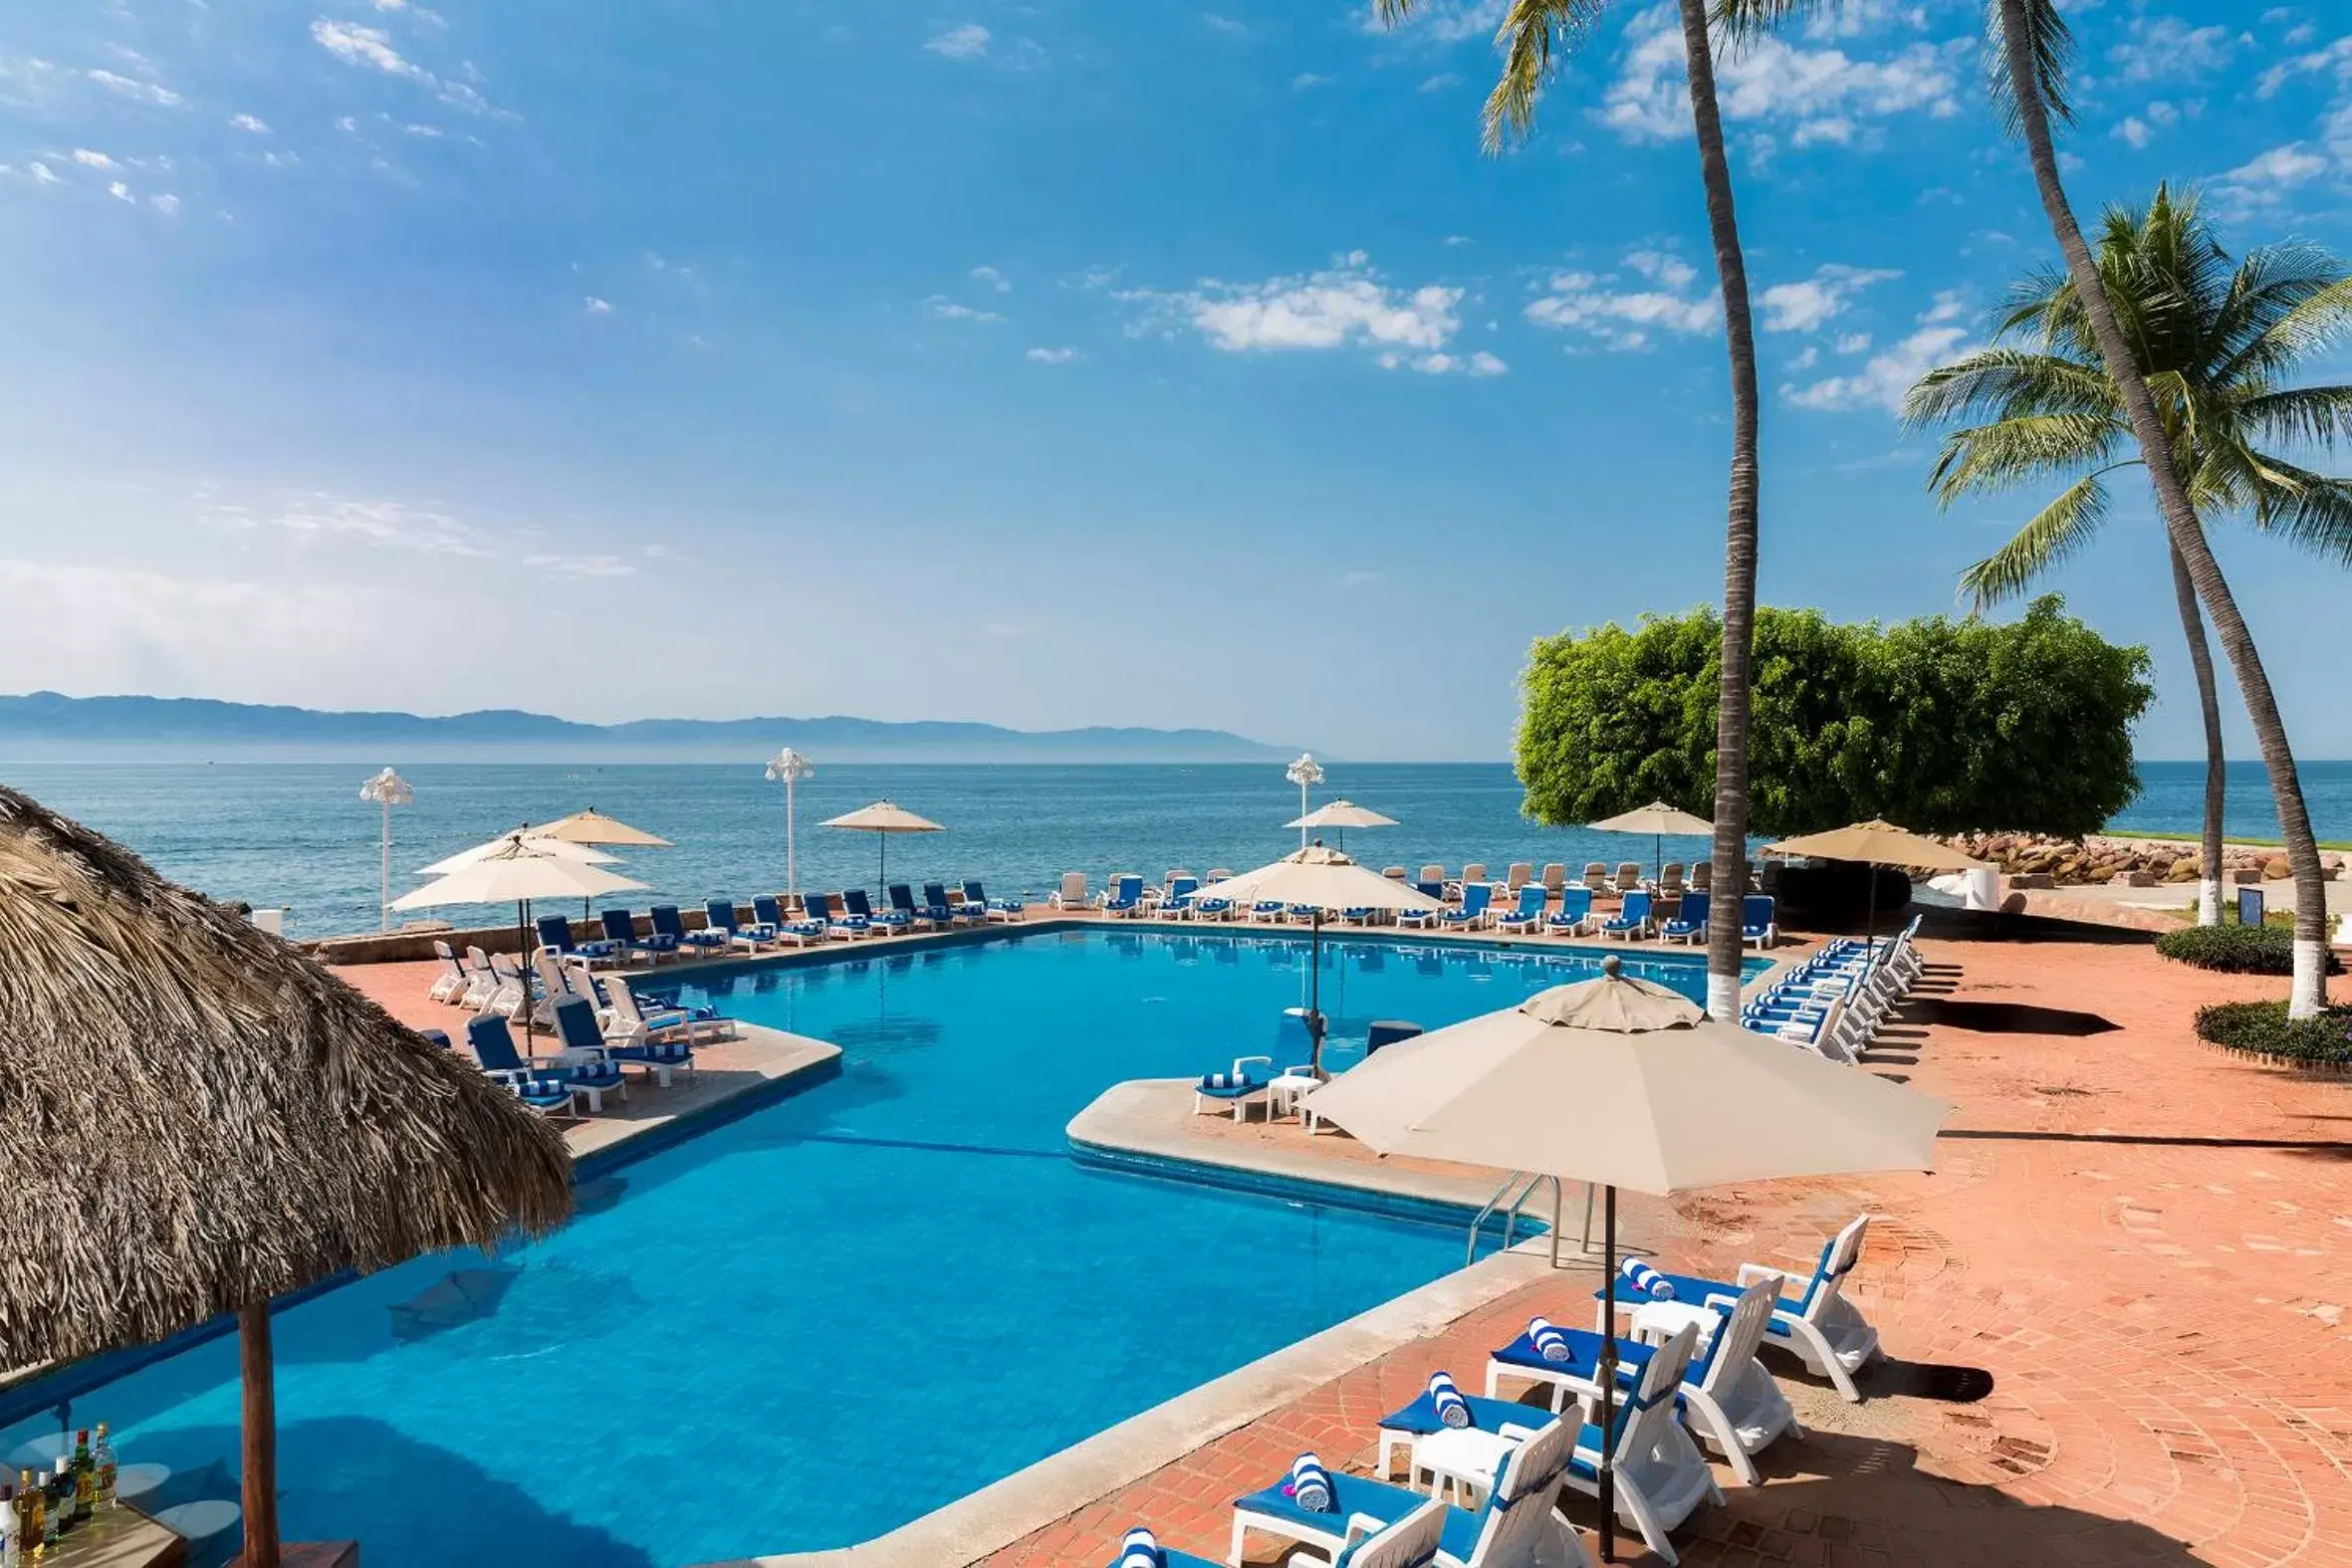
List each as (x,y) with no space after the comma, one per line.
(2217,766)
(2309,992)
(1730,873)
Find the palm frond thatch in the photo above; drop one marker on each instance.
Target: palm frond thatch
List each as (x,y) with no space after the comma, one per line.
(195,1117)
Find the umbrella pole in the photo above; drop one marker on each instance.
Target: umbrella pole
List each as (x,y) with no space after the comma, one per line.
(523,963)
(1608,1377)
(386,900)
(1314,990)
(260,1458)
(1870,928)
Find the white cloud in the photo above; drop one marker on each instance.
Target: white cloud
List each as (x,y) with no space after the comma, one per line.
(1824,93)
(967,42)
(1308,79)
(2162,112)
(580,565)
(1460,239)
(1803,307)
(427,132)
(595,306)
(1444,20)
(1851,342)
(1440,82)
(1358,578)
(993,278)
(1224,24)
(90,158)
(2166,46)
(942,308)
(393,525)
(1886,377)
(42,175)
(121,192)
(2264,181)
(346,123)
(1807,360)
(1856,18)
(2132,130)
(250,122)
(1345,305)
(1623,317)
(1949,304)
(144,92)
(355,45)
(167,204)
(2335,58)
(1051,355)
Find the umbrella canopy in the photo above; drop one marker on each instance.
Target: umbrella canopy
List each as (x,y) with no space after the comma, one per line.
(552,848)
(593,827)
(1322,879)
(518,868)
(1341,813)
(1655,818)
(1672,1105)
(201,1119)
(885,817)
(1880,843)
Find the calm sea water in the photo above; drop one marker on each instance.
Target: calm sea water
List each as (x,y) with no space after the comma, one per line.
(297,834)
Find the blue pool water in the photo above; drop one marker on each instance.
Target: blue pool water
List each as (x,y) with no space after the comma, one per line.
(806,1326)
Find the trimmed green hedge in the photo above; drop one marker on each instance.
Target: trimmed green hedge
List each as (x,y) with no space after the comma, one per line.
(2236,950)
(2262,1029)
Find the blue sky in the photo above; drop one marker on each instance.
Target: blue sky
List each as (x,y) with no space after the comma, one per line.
(1045,364)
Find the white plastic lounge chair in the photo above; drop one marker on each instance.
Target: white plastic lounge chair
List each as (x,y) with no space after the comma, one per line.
(1628,876)
(1431,873)
(451,982)
(1072,892)
(1670,879)
(1756,924)
(1573,918)
(1597,878)
(1632,919)
(1729,1400)
(1246,1084)
(481,980)
(627,1024)
(508,995)
(1528,916)
(1819,1324)
(1124,897)
(1519,874)
(1473,915)
(1556,876)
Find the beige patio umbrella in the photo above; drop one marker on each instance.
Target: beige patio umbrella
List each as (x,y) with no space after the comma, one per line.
(1656,820)
(882,818)
(201,1119)
(561,849)
(593,827)
(1340,816)
(1624,1083)
(1321,879)
(1877,842)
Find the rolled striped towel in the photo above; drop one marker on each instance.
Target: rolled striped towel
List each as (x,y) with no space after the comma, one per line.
(1550,1342)
(1141,1549)
(1226,1080)
(1647,1280)
(1452,1408)
(1309,1486)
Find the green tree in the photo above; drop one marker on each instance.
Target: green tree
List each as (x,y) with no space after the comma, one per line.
(2214,341)
(1941,725)
(1530,33)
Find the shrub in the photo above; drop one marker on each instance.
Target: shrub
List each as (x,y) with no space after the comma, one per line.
(1936,724)
(2262,1029)
(2236,950)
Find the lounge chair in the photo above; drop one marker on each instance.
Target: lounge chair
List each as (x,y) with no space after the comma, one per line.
(944,912)
(1689,924)
(1756,920)
(1000,910)
(1471,916)
(1573,918)
(1382,1032)
(1073,893)
(1729,1400)
(481,979)
(1208,904)
(1268,912)
(451,982)
(1702,876)
(554,930)
(1393,873)
(1659,1473)
(1528,916)
(1597,878)
(1818,1325)
(669,923)
(769,910)
(585,1044)
(1124,896)
(660,1042)
(902,904)
(718,915)
(1630,921)
(1176,900)
(1235,1090)
(842,927)
(1628,876)
(1555,877)
(1519,1525)
(1432,873)
(856,906)
(494,1050)
(1670,879)
(621,925)
(1519,874)
(508,996)
(1419,918)
(583,1077)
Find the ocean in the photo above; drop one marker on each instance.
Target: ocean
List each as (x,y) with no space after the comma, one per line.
(296,836)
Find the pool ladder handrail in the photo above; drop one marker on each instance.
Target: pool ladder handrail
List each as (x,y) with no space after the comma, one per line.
(1512,1206)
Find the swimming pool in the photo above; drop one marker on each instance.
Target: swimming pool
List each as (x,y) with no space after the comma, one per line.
(811,1324)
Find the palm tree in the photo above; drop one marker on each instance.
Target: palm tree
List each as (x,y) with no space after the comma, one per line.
(2214,342)
(2028,86)
(1530,32)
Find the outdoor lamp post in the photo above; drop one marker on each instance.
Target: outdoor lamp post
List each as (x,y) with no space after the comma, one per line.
(791,768)
(1305,773)
(387,790)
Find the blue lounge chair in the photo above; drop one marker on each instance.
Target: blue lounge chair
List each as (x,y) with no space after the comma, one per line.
(770,913)
(1519,1523)
(660,1042)
(1176,903)
(1756,920)
(1573,918)
(1633,920)
(621,929)
(858,907)
(1473,915)
(1388,1031)
(1235,1089)
(1528,916)
(554,930)
(997,909)
(1690,920)
(1410,1542)
(494,1048)
(846,926)
(906,913)
(668,923)
(1418,917)
(573,1072)
(1125,896)
(947,912)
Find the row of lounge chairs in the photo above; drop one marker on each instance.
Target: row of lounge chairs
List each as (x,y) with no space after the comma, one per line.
(1835,1002)
(1505,1464)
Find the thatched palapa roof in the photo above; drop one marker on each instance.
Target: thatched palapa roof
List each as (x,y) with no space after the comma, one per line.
(195,1117)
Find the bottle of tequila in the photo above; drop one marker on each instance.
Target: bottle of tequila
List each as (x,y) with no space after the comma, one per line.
(85,1477)
(33,1507)
(103,1454)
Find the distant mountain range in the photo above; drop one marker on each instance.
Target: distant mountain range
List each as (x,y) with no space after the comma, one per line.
(48,724)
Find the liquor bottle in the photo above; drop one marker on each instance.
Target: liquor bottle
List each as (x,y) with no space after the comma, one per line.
(60,1494)
(34,1507)
(103,1454)
(12,1524)
(85,1477)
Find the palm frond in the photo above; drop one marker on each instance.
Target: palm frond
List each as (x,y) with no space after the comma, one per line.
(2055,533)
(2016,451)
(2312,415)
(2311,511)
(2292,307)
(2005,384)
(1532,31)
(1742,20)
(2050,46)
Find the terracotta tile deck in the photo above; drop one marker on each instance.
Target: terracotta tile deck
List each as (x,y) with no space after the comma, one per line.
(2141,1241)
